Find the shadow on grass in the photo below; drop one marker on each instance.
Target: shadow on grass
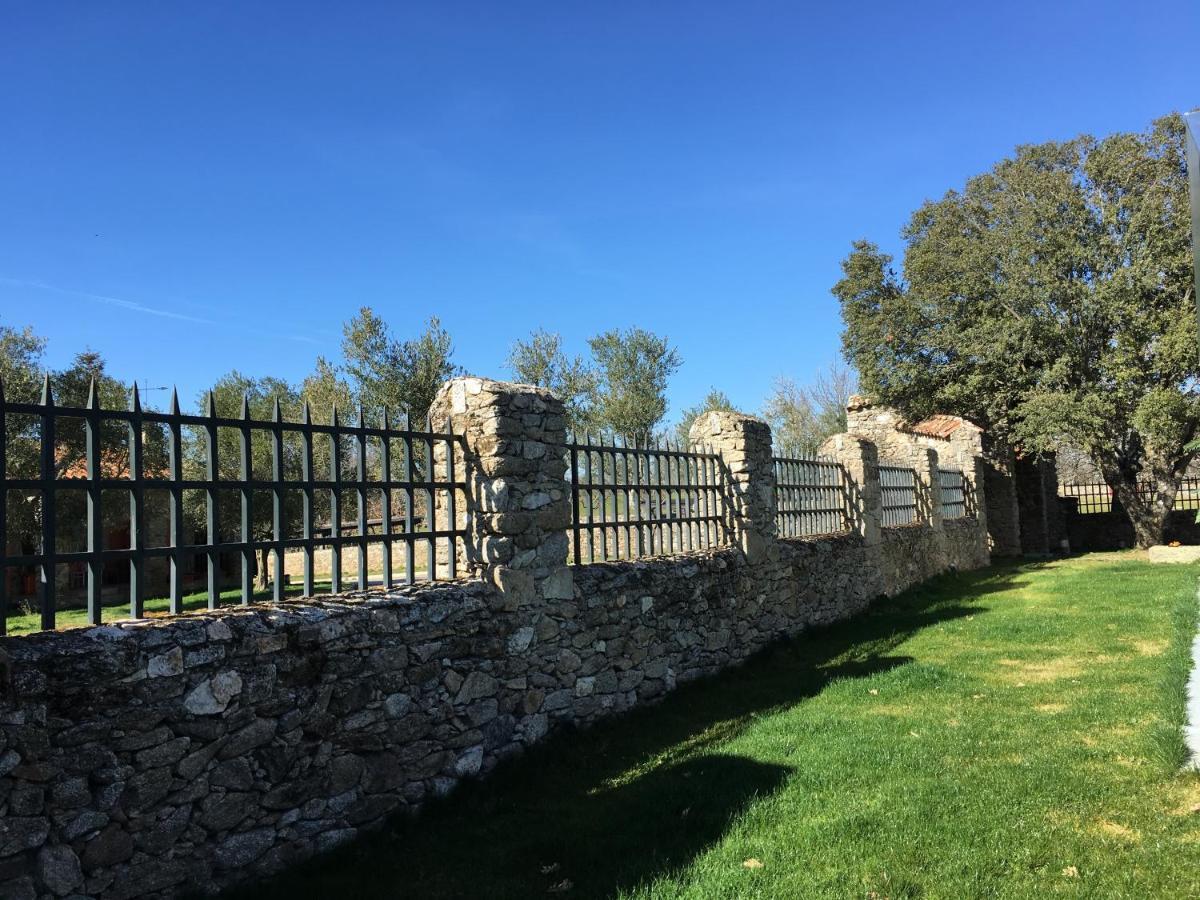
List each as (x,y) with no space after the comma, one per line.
(633,798)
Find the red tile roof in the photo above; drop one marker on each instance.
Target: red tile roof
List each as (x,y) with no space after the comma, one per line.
(938,426)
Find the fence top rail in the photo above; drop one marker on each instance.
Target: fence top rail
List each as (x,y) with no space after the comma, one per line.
(654,448)
(208,419)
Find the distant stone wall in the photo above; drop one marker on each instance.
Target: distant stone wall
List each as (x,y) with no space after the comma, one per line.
(1114,531)
(144,759)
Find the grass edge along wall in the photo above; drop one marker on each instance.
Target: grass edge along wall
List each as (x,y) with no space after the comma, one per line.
(199,751)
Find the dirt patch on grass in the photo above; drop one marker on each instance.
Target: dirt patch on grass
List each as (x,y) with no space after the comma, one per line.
(1118,831)
(900,710)
(1050,708)
(1184,799)
(1021,671)
(1148,647)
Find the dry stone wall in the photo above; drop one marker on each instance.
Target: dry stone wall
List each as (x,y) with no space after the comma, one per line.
(141,759)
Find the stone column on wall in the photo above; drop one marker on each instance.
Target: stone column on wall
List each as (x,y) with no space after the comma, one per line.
(744,445)
(859,459)
(517,506)
(926,463)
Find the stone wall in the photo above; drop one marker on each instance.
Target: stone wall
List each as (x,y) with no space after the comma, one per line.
(140,759)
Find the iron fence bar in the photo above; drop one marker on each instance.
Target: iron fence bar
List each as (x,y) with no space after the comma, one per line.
(210,504)
(95,537)
(335,507)
(175,508)
(137,500)
(277,501)
(244,464)
(573,468)
(431,544)
(410,496)
(603,458)
(3,514)
(360,463)
(385,474)
(451,503)
(49,508)
(307,497)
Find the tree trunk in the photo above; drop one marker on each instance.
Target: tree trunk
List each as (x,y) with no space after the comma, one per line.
(1147,497)
(263,580)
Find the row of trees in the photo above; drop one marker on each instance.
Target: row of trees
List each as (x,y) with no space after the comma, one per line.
(622,388)
(1050,301)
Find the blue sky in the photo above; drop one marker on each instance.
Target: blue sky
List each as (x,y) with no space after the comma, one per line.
(191,188)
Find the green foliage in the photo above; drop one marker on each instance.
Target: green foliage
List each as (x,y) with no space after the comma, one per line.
(632,371)
(391,374)
(622,389)
(1049,300)
(714,400)
(260,396)
(540,361)
(21,361)
(801,418)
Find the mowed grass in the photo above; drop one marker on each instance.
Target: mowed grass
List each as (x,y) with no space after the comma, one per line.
(1009,733)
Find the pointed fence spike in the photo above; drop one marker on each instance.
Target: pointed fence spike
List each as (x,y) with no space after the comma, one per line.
(276,412)
(210,405)
(91,397)
(245,405)
(386,423)
(47,391)
(135,399)
(333,418)
(174,401)
(1,389)
(306,415)
(362,416)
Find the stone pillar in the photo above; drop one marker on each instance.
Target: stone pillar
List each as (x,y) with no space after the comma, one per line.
(517,503)
(860,463)
(928,487)
(744,445)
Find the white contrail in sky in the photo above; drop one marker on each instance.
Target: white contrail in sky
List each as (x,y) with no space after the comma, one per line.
(102,298)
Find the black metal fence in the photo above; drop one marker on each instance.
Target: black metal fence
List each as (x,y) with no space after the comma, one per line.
(391,468)
(954,496)
(629,501)
(899,488)
(1097,497)
(810,497)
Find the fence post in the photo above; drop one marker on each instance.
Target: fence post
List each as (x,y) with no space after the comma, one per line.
(517,503)
(859,459)
(744,445)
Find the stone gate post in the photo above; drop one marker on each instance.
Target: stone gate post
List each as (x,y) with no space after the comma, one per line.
(517,505)
(744,445)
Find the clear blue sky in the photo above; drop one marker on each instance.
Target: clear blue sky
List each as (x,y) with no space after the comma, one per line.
(191,188)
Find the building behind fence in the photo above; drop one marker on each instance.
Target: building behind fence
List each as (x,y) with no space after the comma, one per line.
(140,758)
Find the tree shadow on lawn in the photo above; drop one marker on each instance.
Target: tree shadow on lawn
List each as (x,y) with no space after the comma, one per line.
(629,799)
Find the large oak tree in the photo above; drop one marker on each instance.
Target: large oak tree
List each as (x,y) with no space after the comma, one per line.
(1050,300)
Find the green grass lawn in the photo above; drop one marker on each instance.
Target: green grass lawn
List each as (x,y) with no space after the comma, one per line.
(1010,733)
